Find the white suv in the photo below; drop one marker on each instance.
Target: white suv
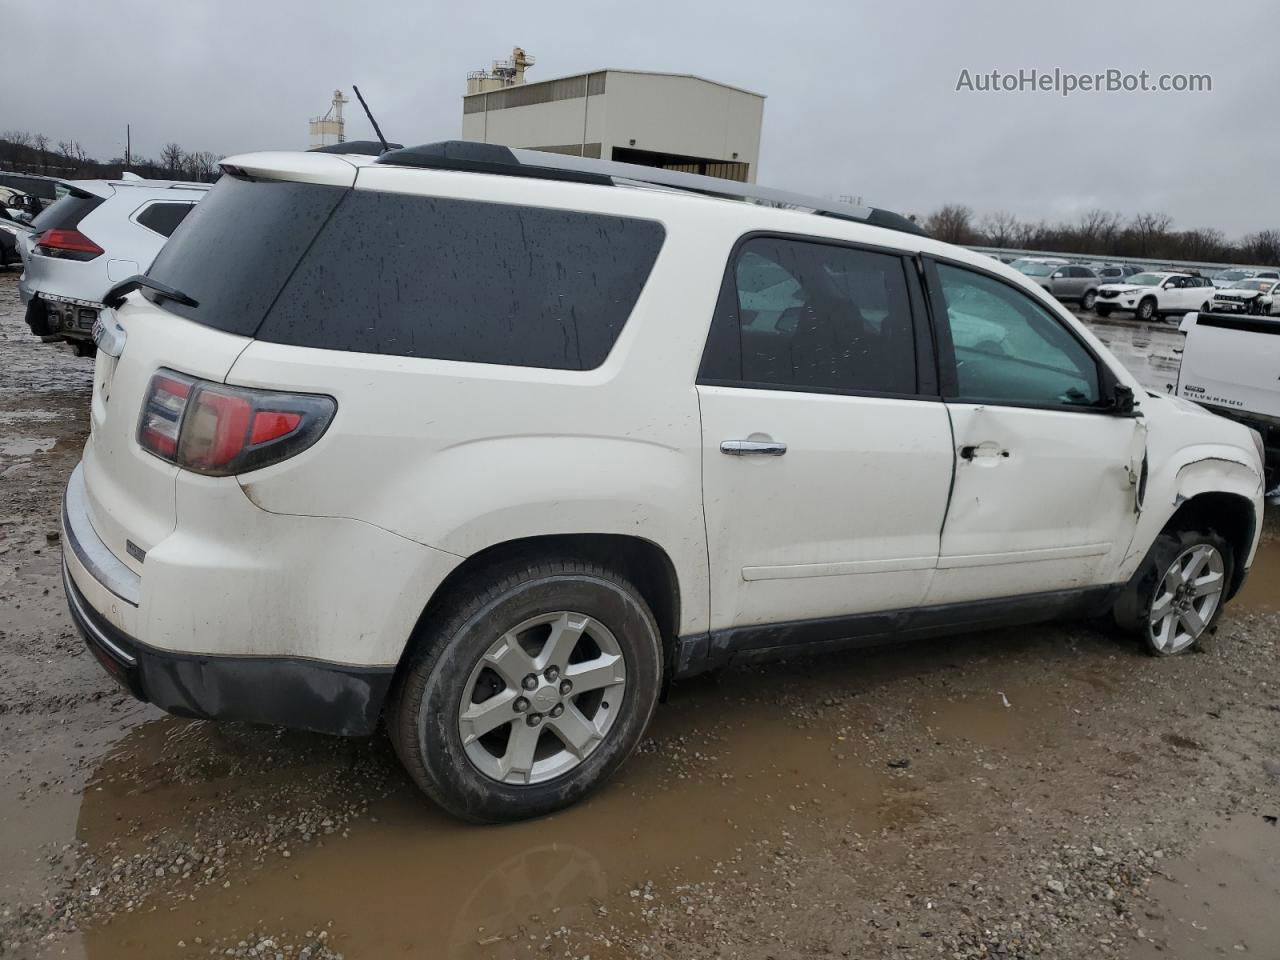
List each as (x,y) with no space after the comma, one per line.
(1150,295)
(99,233)
(489,445)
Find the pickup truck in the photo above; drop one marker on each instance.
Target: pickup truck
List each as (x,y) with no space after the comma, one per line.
(1231,366)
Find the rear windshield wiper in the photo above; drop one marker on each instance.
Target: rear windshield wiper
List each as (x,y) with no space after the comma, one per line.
(115,296)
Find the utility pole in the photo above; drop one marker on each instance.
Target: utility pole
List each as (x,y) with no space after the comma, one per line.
(128,147)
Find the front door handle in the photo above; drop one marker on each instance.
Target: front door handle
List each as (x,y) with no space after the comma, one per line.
(753,448)
(988,450)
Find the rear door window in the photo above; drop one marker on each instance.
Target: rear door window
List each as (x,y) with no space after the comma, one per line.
(809,316)
(453,279)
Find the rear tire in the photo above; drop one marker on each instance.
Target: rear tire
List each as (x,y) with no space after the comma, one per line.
(1089,299)
(1169,613)
(476,651)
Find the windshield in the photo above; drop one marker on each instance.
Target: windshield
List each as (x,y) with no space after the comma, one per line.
(1231,275)
(1262,286)
(1037,269)
(1146,279)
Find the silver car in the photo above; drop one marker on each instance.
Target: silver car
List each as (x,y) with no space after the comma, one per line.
(99,233)
(1070,283)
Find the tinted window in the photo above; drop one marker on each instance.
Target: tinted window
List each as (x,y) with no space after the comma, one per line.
(463,280)
(238,246)
(163,217)
(66,214)
(1010,349)
(811,316)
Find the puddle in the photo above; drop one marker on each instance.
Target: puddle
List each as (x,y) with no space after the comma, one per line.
(1262,589)
(1221,898)
(1147,350)
(26,446)
(726,767)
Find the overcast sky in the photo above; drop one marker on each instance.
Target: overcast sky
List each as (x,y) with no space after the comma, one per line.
(861,95)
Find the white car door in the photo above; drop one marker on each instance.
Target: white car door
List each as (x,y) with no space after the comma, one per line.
(826,449)
(1045,486)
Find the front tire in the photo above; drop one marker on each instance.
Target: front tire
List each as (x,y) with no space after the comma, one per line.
(1146,310)
(1103,311)
(1178,591)
(528,690)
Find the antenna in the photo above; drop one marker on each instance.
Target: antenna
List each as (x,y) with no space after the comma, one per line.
(369,114)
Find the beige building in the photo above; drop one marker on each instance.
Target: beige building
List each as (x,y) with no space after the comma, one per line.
(669,120)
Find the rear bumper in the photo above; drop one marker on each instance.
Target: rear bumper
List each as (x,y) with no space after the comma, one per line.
(292,692)
(200,629)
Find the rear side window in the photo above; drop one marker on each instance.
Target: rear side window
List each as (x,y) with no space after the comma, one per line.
(806,316)
(163,216)
(236,249)
(66,214)
(452,279)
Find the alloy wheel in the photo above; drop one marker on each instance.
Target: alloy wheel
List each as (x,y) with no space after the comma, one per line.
(1187,598)
(542,698)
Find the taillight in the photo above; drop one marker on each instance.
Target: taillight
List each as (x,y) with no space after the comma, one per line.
(218,430)
(68,245)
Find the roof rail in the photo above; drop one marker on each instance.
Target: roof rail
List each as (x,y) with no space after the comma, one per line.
(494,158)
(369,148)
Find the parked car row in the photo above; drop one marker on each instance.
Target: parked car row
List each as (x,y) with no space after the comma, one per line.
(1152,294)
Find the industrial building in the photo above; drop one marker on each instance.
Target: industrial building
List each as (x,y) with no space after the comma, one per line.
(329,129)
(669,120)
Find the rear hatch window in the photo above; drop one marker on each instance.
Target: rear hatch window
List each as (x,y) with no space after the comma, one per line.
(442,278)
(235,250)
(66,214)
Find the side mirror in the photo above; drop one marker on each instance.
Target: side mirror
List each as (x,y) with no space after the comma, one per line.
(1188,321)
(1122,400)
(1058,276)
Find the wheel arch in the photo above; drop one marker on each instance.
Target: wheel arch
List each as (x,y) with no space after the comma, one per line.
(1230,515)
(646,564)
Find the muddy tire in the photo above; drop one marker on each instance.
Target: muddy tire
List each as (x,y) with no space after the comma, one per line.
(481,717)
(1103,311)
(1089,299)
(1146,310)
(1162,607)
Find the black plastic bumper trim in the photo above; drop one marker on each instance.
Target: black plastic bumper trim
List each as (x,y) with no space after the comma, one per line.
(296,692)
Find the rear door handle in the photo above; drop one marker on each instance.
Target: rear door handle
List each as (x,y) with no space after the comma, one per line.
(753,448)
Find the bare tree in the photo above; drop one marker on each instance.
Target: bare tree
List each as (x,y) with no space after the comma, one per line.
(1093,226)
(1262,247)
(1146,227)
(41,143)
(951,224)
(999,228)
(171,158)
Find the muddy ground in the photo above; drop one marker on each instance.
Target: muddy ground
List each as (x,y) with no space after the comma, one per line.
(1041,792)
